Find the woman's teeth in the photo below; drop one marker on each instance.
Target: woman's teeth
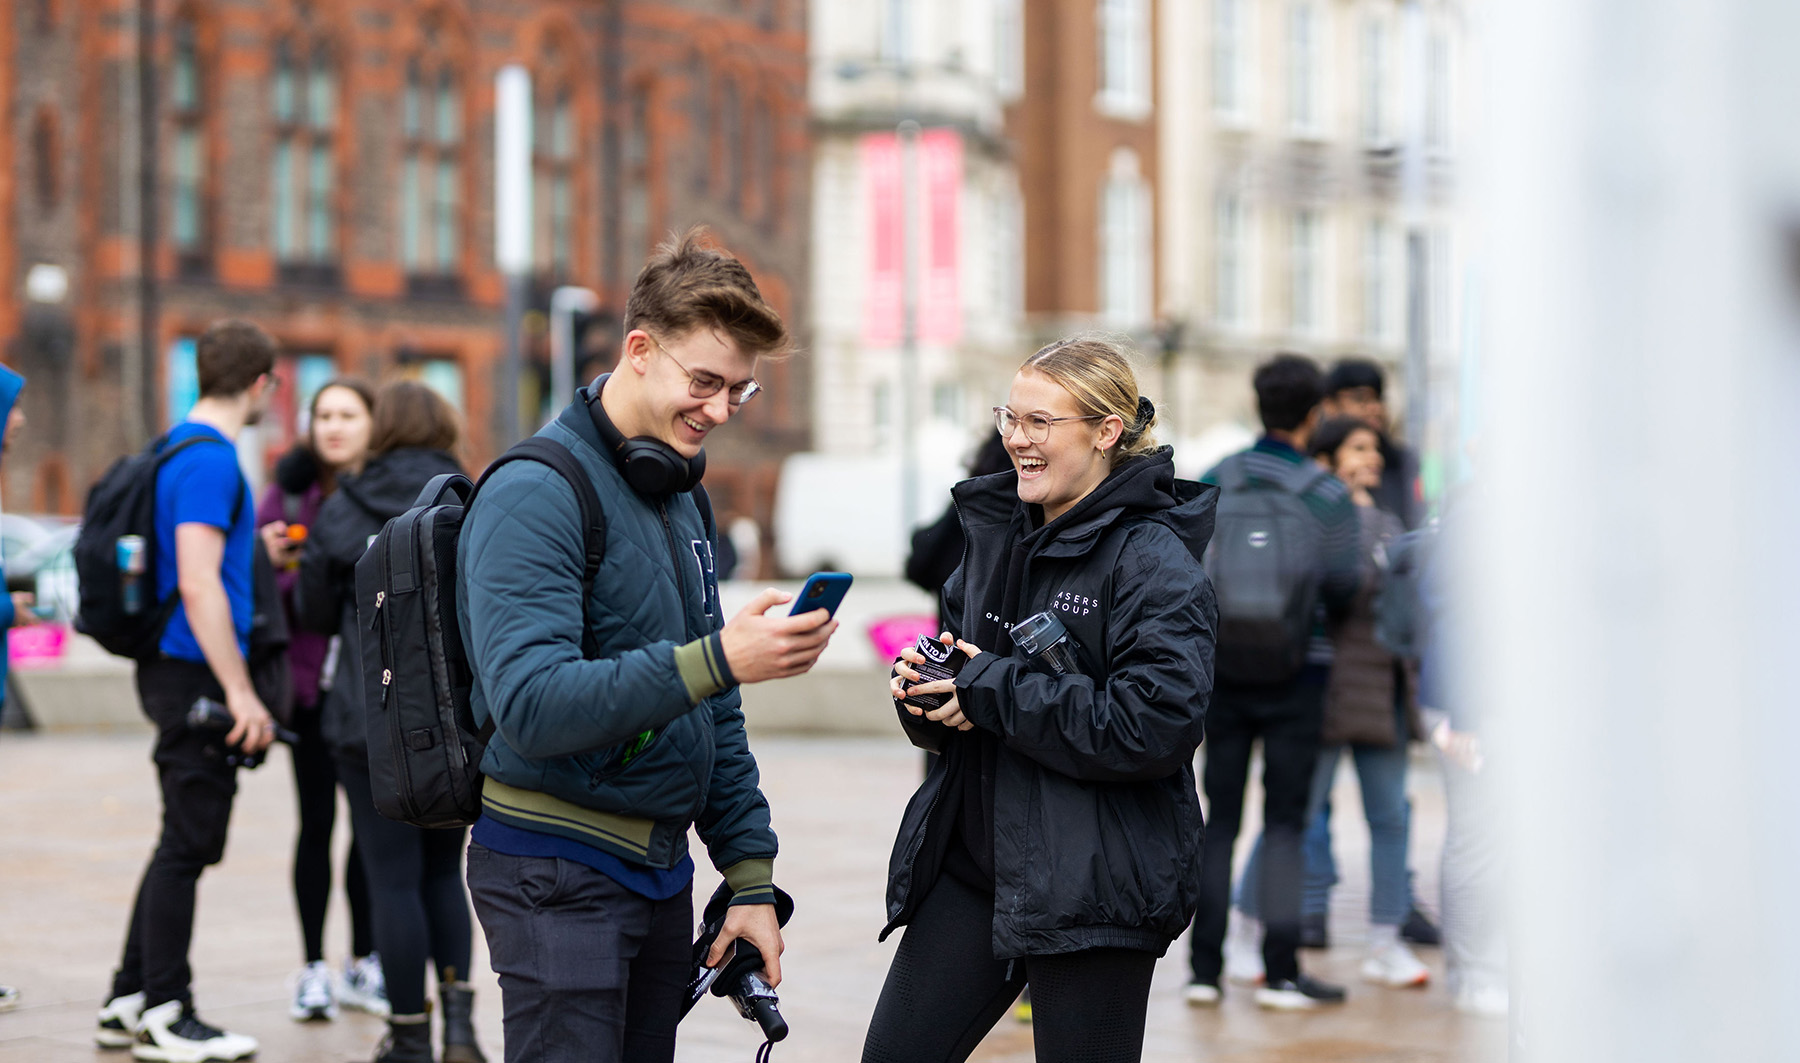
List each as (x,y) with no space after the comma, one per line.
(1031,464)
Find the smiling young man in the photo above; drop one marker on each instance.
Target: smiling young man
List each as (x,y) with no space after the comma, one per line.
(601,760)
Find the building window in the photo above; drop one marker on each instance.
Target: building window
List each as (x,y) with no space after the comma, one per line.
(431,121)
(1377,267)
(553,154)
(187,100)
(635,236)
(701,102)
(894,44)
(46,151)
(1437,90)
(762,152)
(1124,57)
(1304,261)
(731,143)
(1125,297)
(1377,127)
(304,182)
(1009,48)
(1231,266)
(1303,68)
(1230,50)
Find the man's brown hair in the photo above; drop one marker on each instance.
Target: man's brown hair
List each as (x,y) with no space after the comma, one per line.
(688,285)
(409,414)
(229,356)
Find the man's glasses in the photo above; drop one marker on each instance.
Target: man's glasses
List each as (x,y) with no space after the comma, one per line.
(706,385)
(1037,426)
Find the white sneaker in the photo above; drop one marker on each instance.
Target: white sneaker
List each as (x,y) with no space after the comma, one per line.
(1392,964)
(363,987)
(9,998)
(1202,995)
(119,1018)
(173,1034)
(313,999)
(1487,1002)
(1243,949)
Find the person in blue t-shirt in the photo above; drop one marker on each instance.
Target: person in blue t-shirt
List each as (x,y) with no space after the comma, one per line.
(204,538)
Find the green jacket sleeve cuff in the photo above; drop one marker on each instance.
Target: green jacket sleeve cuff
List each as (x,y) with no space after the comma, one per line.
(751,881)
(703,668)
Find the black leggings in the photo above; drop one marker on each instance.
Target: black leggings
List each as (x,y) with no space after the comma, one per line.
(315,785)
(421,907)
(946,990)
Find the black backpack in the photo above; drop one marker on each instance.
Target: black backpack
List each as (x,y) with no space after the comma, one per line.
(424,746)
(1398,621)
(123,503)
(1265,560)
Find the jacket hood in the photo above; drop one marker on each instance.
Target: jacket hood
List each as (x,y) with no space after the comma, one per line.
(1143,488)
(11,383)
(391,483)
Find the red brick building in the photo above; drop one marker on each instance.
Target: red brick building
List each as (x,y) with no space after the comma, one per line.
(1086,130)
(325,168)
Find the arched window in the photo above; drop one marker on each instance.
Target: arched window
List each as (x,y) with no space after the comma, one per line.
(304,181)
(1124,57)
(431,120)
(553,157)
(1125,301)
(762,157)
(188,227)
(46,152)
(637,227)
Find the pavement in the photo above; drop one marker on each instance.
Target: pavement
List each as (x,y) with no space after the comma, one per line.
(81,815)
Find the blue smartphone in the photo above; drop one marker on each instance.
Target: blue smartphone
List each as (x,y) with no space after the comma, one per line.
(823,590)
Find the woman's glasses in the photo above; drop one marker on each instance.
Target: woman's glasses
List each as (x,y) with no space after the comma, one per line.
(1037,426)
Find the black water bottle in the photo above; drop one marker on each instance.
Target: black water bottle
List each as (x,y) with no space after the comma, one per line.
(1046,641)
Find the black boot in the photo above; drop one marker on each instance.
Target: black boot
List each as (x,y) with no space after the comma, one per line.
(408,1040)
(459,1024)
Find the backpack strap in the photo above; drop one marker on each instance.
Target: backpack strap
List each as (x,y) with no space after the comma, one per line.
(164,452)
(1233,476)
(593,517)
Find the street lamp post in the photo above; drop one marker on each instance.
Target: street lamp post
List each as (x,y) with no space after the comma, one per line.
(565,303)
(512,226)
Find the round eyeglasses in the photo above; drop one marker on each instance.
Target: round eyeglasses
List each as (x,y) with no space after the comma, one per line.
(705,385)
(1037,426)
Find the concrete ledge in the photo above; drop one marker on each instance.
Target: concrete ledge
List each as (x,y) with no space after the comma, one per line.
(823,702)
(88,690)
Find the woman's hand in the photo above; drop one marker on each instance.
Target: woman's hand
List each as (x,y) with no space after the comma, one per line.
(950,713)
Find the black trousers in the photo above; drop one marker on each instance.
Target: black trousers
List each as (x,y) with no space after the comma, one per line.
(946,990)
(315,793)
(1287,720)
(421,913)
(590,972)
(198,787)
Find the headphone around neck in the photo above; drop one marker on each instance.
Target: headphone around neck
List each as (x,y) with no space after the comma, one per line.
(649,465)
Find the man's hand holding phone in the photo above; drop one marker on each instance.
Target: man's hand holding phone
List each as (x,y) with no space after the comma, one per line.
(759,646)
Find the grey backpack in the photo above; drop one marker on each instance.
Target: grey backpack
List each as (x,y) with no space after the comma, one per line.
(1265,560)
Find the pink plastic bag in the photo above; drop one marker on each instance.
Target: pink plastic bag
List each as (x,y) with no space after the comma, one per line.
(36,645)
(893,634)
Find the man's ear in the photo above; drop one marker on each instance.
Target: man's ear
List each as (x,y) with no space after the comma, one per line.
(635,351)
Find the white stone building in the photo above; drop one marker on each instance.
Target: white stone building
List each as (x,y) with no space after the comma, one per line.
(1302,141)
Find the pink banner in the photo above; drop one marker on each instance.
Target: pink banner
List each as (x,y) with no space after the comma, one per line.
(940,295)
(882,185)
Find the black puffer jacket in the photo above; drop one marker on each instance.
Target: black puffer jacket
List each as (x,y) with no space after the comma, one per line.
(325,594)
(1095,820)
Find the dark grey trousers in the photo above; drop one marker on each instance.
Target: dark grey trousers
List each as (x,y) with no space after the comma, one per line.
(589,971)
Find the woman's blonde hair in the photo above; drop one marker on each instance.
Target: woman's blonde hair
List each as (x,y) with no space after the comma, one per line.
(1098,374)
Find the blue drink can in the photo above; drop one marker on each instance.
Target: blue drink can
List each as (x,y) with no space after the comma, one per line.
(132,562)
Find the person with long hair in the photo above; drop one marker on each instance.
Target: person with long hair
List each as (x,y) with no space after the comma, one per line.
(420,907)
(1056,841)
(339,421)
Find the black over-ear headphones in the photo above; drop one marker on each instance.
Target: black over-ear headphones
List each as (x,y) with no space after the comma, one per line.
(649,465)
